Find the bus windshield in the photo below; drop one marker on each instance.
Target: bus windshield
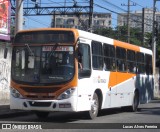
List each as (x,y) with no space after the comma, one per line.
(43,64)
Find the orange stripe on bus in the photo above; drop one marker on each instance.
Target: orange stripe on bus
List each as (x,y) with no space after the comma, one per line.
(126,45)
(118,77)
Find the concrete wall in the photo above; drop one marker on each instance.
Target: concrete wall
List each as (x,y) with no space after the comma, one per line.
(5,70)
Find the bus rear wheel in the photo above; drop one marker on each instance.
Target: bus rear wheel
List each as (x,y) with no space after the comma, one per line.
(41,114)
(135,103)
(134,106)
(94,107)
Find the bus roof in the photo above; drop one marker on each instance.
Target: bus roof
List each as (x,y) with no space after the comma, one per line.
(102,39)
(95,37)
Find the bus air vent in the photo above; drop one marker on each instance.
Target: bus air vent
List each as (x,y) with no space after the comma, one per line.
(39,104)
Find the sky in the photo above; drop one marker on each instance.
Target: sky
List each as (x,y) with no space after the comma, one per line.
(119,6)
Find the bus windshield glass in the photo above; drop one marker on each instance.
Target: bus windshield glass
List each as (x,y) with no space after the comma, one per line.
(42,64)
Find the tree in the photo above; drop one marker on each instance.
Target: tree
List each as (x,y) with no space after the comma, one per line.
(120,33)
(107,32)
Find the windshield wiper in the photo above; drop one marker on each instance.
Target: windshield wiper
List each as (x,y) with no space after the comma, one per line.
(29,49)
(54,47)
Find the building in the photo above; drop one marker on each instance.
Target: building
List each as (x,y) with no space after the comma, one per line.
(136,19)
(99,20)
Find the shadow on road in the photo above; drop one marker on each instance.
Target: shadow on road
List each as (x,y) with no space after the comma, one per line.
(60,117)
(152,108)
(150,111)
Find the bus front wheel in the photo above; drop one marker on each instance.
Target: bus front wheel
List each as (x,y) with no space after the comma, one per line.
(94,107)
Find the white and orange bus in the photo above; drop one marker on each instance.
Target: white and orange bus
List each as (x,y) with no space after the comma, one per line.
(59,69)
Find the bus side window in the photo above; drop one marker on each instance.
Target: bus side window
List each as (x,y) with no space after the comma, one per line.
(140,63)
(148,66)
(131,61)
(109,57)
(84,60)
(97,55)
(121,59)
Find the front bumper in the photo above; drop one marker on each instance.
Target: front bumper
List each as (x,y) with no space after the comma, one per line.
(44,105)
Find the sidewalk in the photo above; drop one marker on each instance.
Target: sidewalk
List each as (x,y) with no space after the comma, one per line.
(5,112)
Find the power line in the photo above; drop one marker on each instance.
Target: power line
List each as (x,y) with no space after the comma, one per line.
(125,11)
(37,21)
(86,10)
(114,5)
(138,4)
(118,13)
(128,19)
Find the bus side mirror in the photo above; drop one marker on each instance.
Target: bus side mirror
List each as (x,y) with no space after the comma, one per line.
(79,55)
(5,53)
(79,58)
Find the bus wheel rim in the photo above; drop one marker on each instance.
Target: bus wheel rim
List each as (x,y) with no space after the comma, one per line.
(94,106)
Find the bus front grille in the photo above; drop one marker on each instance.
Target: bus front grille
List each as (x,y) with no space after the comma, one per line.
(39,90)
(40,93)
(40,97)
(39,104)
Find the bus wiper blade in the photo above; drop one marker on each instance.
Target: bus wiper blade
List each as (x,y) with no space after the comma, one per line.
(32,54)
(55,46)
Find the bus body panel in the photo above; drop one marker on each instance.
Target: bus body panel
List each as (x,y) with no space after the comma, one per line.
(100,80)
(95,37)
(146,51)
(54,105)
(117,87)
(144,83)
(85,92)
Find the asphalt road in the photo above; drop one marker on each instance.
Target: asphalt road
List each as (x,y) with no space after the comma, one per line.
(110,119)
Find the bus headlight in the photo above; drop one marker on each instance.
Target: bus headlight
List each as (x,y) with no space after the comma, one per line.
(66,94)
(15,93)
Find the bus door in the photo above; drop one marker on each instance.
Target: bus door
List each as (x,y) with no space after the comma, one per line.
(84,73)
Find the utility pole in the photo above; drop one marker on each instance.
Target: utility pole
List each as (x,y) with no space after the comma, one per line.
(154,46)
(90,15)
(68,9)
(128,22)
(19,15)
(128,19)
(143,16)
(54,20)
